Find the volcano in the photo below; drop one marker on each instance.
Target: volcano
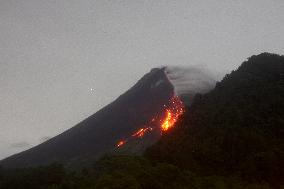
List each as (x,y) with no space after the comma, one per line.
(130,124)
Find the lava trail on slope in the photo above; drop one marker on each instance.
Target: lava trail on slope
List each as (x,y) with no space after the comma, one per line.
(161,122)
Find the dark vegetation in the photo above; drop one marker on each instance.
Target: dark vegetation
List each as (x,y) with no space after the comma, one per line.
(232,137)
(237,129)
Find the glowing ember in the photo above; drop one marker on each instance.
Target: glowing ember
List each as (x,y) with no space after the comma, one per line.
(120,143)
(167,123)
(172,111)
(141,132)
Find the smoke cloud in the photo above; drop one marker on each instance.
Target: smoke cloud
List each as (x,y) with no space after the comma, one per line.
(188,81)
(43,139)
(19,145)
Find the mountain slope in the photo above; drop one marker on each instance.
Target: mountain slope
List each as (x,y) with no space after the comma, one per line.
(100,132)
(236,129)
(231,137)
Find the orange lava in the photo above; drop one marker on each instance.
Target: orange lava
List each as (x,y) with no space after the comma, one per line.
(172,111)
(175,109)
(120,143)
(141,132)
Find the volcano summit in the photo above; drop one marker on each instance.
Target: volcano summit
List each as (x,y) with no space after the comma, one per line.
(134,121)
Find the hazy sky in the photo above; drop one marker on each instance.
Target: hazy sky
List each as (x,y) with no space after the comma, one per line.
(62,60)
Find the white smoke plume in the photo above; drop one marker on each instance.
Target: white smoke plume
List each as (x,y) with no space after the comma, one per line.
(188,81)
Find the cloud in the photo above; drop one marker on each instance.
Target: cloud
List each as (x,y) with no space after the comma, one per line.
(19,145)
(43,139)
(188,81)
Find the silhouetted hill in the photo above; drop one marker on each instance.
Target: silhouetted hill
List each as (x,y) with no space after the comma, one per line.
(236,129)
(101,132)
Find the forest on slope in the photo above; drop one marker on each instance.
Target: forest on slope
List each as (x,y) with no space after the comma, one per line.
(231,137)
(236,129)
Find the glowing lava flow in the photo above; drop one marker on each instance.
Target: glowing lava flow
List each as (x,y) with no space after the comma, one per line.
(172,111)
(120,143)
(175,109)
(140,133)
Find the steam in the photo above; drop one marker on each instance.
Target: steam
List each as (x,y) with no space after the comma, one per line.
(188,81)
(20,145)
